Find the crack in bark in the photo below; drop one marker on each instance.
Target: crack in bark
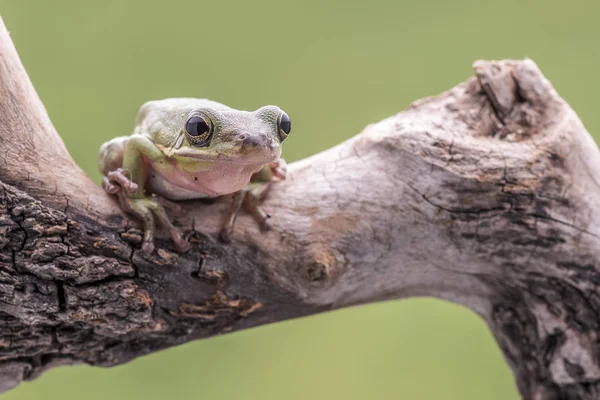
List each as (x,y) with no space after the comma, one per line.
(62,298)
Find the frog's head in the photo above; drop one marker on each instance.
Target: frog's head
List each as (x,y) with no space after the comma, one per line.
(206,132)
(235,136)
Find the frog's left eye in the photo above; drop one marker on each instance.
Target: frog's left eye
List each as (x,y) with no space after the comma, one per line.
(285,126)
(199,131)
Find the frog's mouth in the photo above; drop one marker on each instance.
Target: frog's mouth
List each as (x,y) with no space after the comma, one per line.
(248,150)
(262,157)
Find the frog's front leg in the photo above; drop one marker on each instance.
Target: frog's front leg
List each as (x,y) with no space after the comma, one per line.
(252,196)
(138,152)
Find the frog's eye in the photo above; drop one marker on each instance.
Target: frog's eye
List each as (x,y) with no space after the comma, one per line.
(285,126)
(197,126)
(199,131)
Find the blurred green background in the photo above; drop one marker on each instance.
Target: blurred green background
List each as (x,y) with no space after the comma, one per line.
(334,66)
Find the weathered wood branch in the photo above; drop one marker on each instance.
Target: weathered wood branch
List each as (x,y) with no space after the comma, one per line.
(487,195)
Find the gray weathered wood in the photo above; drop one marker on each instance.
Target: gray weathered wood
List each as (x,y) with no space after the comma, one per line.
(487,195)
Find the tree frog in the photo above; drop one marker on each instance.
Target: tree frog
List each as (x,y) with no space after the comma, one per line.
(186,148)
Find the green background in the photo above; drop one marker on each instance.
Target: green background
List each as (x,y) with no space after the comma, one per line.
(334,66)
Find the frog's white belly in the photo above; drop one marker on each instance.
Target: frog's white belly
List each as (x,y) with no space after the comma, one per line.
(158,185)
(189,185)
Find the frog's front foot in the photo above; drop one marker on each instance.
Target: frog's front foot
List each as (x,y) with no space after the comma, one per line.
(117,180)
(279,169)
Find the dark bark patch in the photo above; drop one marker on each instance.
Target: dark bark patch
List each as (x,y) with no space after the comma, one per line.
(576,371)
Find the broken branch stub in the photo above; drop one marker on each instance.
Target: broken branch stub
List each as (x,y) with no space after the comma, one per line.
(486,195)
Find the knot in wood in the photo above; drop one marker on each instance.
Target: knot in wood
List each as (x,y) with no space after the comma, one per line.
(317,271)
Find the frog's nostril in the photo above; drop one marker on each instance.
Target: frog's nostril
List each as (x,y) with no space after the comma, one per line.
(257,142)
(242,137)
(253,141)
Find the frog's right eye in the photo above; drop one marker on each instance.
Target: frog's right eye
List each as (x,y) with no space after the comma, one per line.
(199,131)
(284,123)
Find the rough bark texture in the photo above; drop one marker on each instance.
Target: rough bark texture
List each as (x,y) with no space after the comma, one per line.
(486,195)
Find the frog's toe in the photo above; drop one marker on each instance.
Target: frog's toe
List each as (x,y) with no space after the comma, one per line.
(109,187)
(265,224)
(147,247)
(262,218)
(182,245)
(119,176)
(132,188)
(226,234)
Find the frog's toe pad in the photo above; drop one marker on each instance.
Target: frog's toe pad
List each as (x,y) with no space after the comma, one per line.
(112,189)
(147,247)
(181,245)
(265,225)
(225,235)
(109,187)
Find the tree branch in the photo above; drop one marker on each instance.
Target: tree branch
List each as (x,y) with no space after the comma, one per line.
(485,196)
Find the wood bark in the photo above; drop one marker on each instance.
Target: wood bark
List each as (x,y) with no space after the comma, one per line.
(486,195)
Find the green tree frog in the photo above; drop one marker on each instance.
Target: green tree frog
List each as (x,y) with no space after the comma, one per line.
(185,148)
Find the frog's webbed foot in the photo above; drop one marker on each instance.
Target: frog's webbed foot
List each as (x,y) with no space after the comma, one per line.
(149,210)
(252,196)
